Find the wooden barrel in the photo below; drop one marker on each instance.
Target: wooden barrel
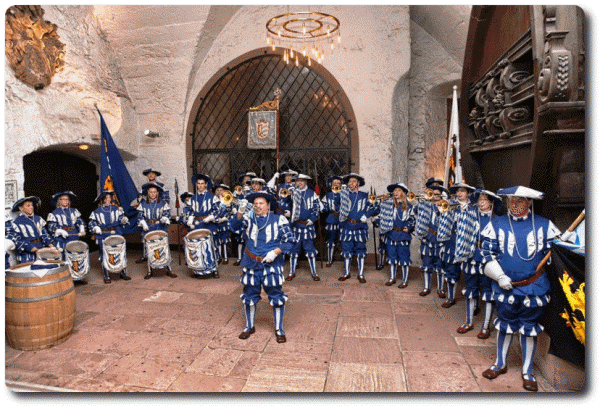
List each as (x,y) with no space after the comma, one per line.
(39,311)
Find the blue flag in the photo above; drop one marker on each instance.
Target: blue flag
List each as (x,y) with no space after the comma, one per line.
(115,176)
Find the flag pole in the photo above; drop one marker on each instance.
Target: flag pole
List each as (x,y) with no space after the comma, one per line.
(572,227)
(453,142)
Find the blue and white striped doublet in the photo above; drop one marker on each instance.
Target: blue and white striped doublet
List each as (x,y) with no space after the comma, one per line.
(29,232)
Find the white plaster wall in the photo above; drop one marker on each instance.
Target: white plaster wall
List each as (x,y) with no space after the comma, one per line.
(374,55)
(64,112)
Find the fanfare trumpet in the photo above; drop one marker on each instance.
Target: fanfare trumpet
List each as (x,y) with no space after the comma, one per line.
(411,197)
(238,190)
(335,189)
(444,206)
(227,198)
(284,193)
(374,198)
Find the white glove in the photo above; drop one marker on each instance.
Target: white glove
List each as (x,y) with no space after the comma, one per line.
(287,214)
(59,233)
(59,249)
(124,220)
(243,206)
(190,221)
(494,271)
(9,245)
(209,218)
(222,220)
(309,222)
(144,225)
(165,220)
(363,218)
(276,175)
(81,231)
(566,236)
(97,230)
(234,211)
(246,188)
(270,257)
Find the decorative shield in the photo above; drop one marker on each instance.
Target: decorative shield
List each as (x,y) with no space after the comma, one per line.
(262,129)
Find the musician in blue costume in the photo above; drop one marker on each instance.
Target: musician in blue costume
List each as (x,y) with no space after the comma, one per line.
(9,239)
(457,229)
(268,237)
(222,236)
(331,205)
(426,230)
(154,214)
(105,221)
(185,198)
(306,208)
(245,190)
(397,222)
(513,246)
(285,203)
(65,222)
(152,175)
(204,209)
(29,230)
(488,205)
(355,209)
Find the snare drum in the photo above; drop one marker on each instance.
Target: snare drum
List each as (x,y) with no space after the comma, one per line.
(48,254)
(200,253)
(78,257)
(157,249)
(113,253)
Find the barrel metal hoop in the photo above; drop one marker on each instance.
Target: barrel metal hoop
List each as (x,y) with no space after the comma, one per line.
(39,299)
(23,285)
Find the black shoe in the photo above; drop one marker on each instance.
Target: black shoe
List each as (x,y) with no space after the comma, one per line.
(106,280)
(216,275)
(148,275)
(142,259)
(125,277)
(81,282)
(236,263)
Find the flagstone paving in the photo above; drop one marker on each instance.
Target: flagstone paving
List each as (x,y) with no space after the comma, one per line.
(181,335)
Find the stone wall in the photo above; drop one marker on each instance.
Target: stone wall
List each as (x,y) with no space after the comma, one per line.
(63,113)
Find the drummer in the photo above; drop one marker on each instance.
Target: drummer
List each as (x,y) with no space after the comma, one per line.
(9,239)
(154,214)
(28,230)
(204,208)
(105,221)
(65,222)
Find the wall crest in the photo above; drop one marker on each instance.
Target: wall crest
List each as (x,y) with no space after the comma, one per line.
(32,45)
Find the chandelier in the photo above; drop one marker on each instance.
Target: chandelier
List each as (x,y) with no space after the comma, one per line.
(304,34)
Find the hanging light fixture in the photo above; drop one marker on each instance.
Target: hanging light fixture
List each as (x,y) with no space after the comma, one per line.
(306,33)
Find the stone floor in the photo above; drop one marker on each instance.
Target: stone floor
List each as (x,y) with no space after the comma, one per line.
(181,335)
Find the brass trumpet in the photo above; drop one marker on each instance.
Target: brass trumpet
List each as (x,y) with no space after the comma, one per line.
(335,189)
(227,198)
(374,198)
(238,190)
(411,197)
(283,193)
(444,206)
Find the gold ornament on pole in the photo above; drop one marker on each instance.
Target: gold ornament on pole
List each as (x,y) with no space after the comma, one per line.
(304,35)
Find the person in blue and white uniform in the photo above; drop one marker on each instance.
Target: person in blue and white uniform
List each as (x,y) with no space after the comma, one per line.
(185,198)
(268,237)
(285,203)
(222,236)
(29,230)
(9,241)
(331,205)
(355,210)
(106,220)
(477,285)
(65,222)
(240,195)
(306,208)
(426,229)
(397,222)
(204,209)
(513,246)
(152,175)
(154,214)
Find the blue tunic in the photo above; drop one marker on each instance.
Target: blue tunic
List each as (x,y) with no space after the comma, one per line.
(68,219)
(152,213)
(397,241)
(29,232)
(109,218)
(203,205)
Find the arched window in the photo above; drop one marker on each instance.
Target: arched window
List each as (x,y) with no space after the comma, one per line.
(316,124)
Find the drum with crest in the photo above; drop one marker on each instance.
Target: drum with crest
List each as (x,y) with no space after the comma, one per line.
(78,257)
(157,249)
(114,257)
(200,253)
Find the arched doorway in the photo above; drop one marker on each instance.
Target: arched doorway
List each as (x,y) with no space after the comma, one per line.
(50,172)
(316,126)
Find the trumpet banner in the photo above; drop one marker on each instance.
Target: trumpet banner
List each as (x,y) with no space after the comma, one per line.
(564,320)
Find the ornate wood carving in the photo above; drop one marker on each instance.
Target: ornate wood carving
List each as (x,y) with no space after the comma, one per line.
(553,80)
(32,45)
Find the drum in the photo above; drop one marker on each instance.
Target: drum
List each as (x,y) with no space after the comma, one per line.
(48,254)
(39,305)
(78,258)
(114,257)
(200,254)
(157,249)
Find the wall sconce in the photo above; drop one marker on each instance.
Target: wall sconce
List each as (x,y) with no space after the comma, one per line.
(151,134)
(83,146)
